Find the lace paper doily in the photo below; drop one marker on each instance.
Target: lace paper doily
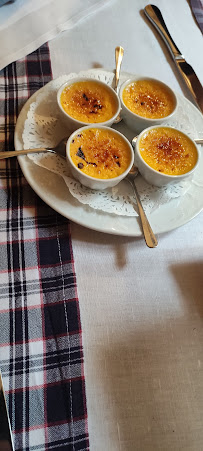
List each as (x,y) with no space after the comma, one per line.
(44,128)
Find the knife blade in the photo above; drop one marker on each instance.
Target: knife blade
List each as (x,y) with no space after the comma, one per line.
(6,441)
(186,71)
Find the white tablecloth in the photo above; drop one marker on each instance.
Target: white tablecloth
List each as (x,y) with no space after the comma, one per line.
(141,309)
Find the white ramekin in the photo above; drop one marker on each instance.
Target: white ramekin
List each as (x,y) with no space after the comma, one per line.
(151,175)
(92,182)
(72,123)
(134,121)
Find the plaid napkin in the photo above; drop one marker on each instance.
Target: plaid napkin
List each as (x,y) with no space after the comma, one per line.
(41,355)
(197,9)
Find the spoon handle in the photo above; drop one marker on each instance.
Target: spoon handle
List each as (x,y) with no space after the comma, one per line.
(118,56)
(16,153)
(198,141)
(149,236)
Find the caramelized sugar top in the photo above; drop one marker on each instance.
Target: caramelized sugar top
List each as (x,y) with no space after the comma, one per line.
(148,98)
(100,153)
(89,102)
(168,151)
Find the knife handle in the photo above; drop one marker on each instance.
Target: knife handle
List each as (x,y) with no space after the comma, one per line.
(154,15)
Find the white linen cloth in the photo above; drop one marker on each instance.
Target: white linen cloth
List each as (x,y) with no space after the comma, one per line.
(27,24)
(141,309)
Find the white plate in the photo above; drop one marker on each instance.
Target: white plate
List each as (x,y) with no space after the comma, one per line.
(53,190)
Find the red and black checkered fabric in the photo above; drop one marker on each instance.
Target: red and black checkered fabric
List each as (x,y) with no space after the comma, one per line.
(41,355)
(197,9)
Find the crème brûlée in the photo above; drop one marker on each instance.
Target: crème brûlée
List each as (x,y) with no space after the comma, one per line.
(149,98)
(100,153)
(89,102)
(168,151)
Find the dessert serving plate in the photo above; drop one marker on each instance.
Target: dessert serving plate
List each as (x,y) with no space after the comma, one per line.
(53,190)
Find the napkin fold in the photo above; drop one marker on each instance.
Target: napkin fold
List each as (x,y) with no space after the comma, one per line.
(26,25)
(197,9)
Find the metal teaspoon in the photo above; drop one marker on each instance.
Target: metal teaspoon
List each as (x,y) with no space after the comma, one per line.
(119,51)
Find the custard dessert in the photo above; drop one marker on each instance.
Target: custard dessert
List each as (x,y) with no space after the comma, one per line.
(100,153)
(167,150)
(89,102)
(149,98)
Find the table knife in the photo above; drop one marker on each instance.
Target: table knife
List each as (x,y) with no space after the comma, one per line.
(6,441)
(186,71)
